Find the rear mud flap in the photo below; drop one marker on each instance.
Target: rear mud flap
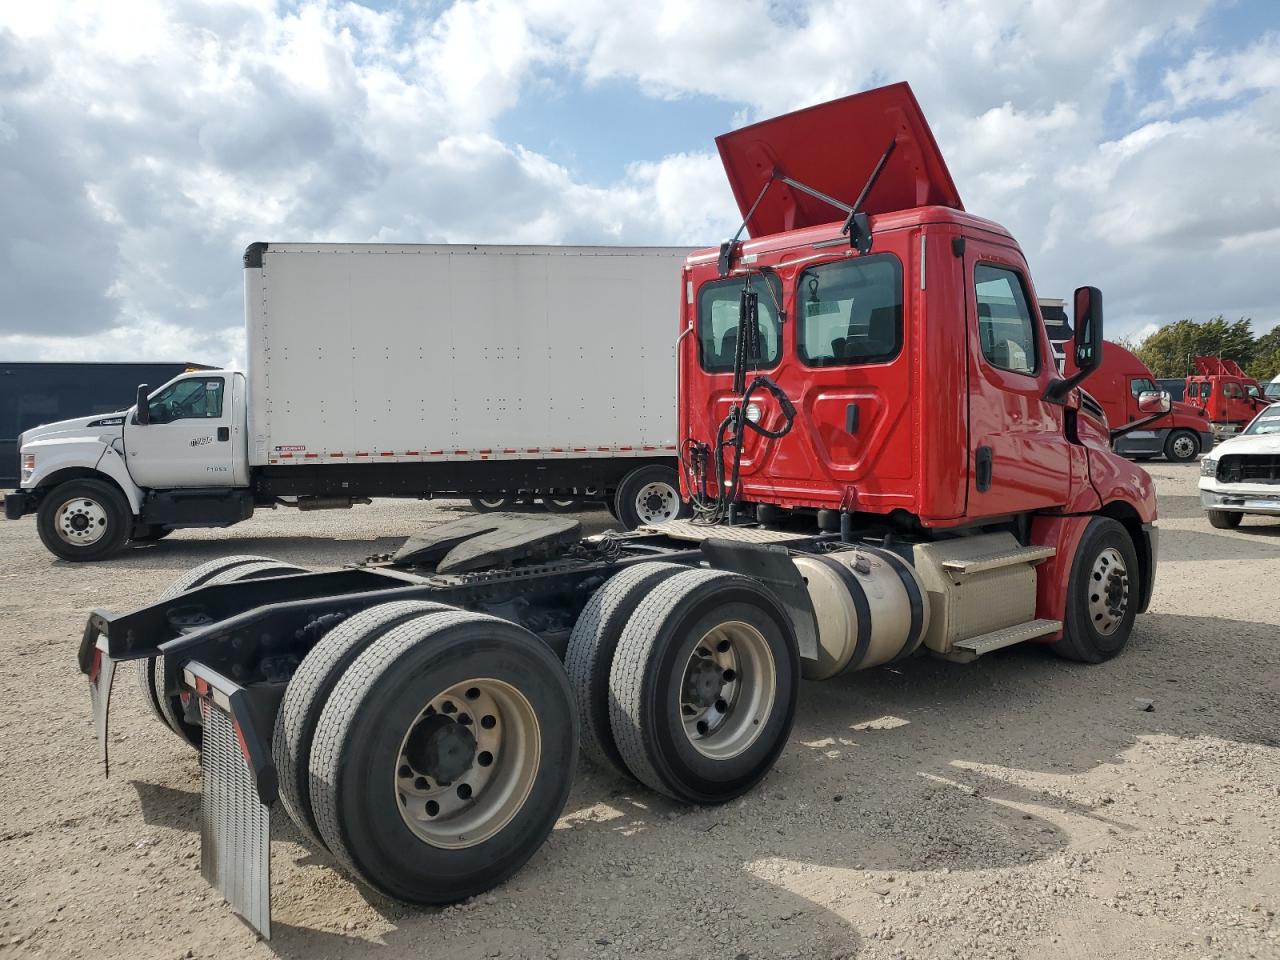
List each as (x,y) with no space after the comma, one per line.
(235,825)
(102,674)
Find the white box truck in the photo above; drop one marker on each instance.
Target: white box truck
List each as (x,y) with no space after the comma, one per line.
(379,370)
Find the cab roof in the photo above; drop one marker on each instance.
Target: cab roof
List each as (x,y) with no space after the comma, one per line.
(832,149)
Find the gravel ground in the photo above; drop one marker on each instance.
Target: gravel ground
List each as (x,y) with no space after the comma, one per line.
(1020,806)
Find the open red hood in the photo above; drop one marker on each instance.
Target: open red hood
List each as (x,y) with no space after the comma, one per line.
(833,148)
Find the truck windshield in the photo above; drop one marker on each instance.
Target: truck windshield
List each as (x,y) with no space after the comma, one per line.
(1266,422)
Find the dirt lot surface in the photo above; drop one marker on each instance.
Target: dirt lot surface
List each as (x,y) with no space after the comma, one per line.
(1020,806)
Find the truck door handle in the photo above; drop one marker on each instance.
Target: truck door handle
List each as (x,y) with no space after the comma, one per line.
(224,433)
(851,418)
(983,478)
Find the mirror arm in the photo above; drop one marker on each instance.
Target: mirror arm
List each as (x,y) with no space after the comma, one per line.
(1058,391)
(1135,425)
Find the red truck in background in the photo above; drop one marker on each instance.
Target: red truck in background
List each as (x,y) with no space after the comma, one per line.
(1179,435)
(1227,396)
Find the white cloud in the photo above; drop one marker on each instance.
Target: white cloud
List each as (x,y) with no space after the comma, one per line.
(143,144)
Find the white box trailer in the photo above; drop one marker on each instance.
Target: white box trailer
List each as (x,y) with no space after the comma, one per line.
(498,373)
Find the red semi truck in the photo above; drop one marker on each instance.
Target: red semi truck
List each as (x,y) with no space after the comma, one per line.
(1228,396)
(413,715)
(1118,384)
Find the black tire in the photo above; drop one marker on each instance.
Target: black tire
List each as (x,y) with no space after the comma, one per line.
(145,533)
(492,504)
(589,657)
(355,755)
(150,672)
(649,495)
(1224,519)
(1082,639)
(1181,446)
(553,505)
(309,688)
(649,671)
(84,508)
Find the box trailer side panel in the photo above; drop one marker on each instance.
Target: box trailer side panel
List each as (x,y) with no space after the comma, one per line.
(406,353)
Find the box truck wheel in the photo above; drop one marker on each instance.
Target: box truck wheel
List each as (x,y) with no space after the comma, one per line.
(589,657)
(556,505)
(649,495)
(443,757)
(84,520)
(1102,594)
(703,686)
(492,504)
(309,688)
(1224,519)
(170,709)
(1181,446)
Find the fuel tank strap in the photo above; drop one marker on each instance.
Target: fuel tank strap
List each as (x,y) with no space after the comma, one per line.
(915,596)
(860,604)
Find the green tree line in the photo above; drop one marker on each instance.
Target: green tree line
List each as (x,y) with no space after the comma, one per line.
(1171,350)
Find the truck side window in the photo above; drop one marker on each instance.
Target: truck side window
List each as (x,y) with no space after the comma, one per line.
(194,399)
(1233,391)
(1005,328)
(1140,385)
(850,311)
(718,305)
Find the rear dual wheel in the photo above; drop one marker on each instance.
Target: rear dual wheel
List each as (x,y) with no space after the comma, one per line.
(170,709)
(702,680)
(442,754)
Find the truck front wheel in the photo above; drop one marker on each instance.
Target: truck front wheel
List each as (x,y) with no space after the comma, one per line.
(1102,594)
(1181,446)
(443,757)
(83,520)
(1224,519)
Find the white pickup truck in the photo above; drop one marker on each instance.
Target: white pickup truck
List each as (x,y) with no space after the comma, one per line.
(390,371)
(1242,475)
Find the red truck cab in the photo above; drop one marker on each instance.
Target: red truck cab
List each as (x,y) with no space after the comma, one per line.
(1227,396)
(921,368)
(1179,435)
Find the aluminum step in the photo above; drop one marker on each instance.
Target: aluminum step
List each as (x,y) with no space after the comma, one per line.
(1008,636)
(967,567)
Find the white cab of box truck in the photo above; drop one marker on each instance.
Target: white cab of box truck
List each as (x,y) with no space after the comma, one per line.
(492,372)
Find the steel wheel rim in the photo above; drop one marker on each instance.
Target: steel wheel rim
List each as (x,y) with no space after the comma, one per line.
(81,522)
(1183,447)
(468,807)
(493,503)
(728,690)
(1108,591)
(657,502)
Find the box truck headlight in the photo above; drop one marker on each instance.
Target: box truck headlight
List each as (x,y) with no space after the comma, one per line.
(28,466)
(1208,467)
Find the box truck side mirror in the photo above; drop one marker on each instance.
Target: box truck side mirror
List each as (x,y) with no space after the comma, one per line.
(142,412)
(1086,346)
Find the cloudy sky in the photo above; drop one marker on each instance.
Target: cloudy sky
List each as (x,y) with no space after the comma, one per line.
(1132,144)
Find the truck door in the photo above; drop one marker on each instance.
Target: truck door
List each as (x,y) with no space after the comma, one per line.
(1019,457)
(189,441)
